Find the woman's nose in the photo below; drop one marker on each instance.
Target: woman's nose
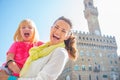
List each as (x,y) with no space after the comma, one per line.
(58,31)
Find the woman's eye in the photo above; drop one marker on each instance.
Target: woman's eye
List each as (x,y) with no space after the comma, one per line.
(56,27)
(63,31)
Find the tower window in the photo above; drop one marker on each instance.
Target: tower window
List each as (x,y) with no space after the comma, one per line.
(83,38)
(86,38)
(79,37)
(67,77)
(81,53)
(76,67)
(115,62)
(90,4)
(83,67)
(89,77)
(90,68)
(79,77)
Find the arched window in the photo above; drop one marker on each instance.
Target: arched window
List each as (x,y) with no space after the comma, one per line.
(76,67)
(79,77)
(83,68)
(90,68)
(67,77)
(81,53)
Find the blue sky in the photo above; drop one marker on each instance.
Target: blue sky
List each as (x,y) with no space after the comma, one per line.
(42,12)
(45,12)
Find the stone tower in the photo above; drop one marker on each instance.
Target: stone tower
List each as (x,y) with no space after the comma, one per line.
(91,14)
(97,54)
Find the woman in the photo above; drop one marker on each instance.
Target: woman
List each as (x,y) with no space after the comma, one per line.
(47,62)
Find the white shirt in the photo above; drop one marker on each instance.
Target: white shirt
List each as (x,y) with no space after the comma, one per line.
(48,67)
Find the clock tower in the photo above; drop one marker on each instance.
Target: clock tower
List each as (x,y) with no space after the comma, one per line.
(91,14)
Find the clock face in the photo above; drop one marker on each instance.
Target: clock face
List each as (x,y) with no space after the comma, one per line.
(97,32)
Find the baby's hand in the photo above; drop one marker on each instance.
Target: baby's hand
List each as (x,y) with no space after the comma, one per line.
(13,67)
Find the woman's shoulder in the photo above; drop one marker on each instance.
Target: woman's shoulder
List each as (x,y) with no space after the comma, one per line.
(60,51)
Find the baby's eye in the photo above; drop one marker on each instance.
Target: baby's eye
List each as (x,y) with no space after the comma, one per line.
(23,27)
(30,27)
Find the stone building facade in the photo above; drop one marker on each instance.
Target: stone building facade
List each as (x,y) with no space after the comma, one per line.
(98,59)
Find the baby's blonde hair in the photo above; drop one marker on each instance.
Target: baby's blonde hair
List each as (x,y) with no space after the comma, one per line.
(17,35)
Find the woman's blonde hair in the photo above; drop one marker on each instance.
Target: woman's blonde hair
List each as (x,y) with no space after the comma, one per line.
(17,35)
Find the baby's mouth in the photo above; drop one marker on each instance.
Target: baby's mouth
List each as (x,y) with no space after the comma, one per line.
(26,34)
